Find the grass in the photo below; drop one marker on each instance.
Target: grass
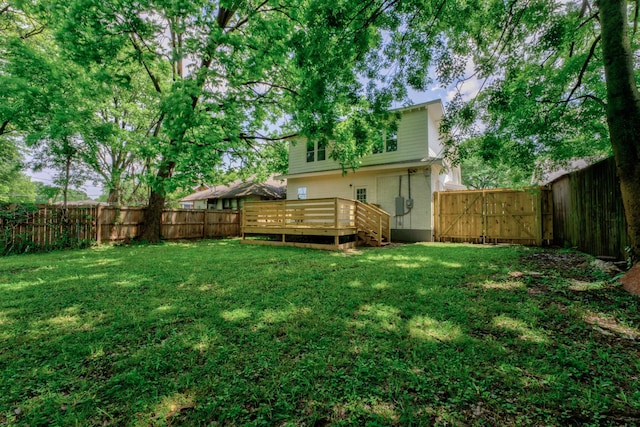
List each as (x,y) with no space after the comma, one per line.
(218,333)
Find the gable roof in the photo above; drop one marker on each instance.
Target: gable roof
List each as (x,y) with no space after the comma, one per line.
(271,188)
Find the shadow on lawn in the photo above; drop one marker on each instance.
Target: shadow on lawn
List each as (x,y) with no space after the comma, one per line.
(415,334)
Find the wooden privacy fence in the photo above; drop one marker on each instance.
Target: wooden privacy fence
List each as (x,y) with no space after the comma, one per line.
(116,224)
(588,212)
(46,226)
(494,216)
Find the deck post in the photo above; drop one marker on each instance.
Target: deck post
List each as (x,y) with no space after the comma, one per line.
(335,213)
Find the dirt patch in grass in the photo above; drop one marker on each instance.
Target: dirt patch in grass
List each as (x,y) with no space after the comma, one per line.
(568,265)
(571,282)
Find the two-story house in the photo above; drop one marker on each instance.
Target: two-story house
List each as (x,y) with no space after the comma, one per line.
(399,177)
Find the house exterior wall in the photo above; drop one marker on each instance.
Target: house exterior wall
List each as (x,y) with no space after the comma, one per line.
(386,176)
(413,134)
(435,145)
(203,204)
(382,188)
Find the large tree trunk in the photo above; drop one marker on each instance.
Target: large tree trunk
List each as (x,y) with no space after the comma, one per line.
(152,229)
(623,111)
(114,196)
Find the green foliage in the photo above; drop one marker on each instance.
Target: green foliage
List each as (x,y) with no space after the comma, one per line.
(541,79)
(52,194)
(488,168)
(12,238)
(16,236)
(411,335)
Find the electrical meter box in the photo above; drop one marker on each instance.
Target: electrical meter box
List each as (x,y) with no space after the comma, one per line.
(409,204)
(399,206)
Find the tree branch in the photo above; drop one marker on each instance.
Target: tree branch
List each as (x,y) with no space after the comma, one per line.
(242,21)
(33,32)
(154,79)
(273,85)
(584,67)
(264,138)
(3,128)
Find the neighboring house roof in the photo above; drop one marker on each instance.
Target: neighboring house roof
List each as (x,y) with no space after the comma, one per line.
(87,202)
(271,188)
(551,172)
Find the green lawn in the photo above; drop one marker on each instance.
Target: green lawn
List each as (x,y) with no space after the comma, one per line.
(219,333)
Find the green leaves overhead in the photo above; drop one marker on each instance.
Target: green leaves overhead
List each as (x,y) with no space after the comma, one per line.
(542,84)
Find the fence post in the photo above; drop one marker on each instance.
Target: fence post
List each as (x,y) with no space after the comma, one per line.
(98,223)
(484,217)
(204,224)
(539,216)
(436,216)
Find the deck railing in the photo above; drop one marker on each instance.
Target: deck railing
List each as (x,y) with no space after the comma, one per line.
(312,213)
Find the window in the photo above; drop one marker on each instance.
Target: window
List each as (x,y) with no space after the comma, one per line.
(361,195)
(322,150)
(226,203)
(392,140)
(310,151)
(302,193)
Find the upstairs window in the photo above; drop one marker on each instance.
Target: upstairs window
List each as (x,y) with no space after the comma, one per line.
(322,150)
(392,140)
(310,151)
(361,195)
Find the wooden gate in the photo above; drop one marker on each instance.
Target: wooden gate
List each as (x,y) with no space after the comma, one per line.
(494,216)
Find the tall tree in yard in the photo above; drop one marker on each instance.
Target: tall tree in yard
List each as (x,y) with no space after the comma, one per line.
(225,70)
(623,108)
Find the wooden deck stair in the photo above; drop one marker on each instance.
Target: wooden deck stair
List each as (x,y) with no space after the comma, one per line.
(372,225)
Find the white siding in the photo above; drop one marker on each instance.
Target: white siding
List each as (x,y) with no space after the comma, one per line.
(413,134)
(391,187)
(382,189)
(435,145)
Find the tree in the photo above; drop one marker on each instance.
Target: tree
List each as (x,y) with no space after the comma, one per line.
(125,108)
(623,109)
(480,172)
(234,67)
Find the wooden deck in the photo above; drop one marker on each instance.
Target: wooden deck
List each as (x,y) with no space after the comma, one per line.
(305,222)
